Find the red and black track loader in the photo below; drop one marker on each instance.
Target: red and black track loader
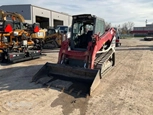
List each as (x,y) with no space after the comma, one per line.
(82,59)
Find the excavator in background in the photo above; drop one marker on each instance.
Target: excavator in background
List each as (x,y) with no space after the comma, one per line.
(15,42)
(82,59)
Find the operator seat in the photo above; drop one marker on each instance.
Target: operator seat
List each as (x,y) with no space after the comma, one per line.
(89,36)
(85,39)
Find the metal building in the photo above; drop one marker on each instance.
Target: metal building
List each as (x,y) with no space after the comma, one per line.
(143,31)
(45,17)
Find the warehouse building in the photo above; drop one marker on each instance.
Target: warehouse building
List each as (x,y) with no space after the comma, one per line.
(46,17)
(142,31)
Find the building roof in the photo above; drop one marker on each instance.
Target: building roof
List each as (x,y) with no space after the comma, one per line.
(37,7)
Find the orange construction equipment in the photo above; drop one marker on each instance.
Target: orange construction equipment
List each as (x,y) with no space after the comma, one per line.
(15,42)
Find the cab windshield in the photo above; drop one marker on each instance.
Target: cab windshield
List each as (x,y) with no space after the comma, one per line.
(81,33)
(18,25)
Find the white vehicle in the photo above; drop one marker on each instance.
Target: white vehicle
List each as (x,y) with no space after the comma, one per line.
(149,37)
(61,29)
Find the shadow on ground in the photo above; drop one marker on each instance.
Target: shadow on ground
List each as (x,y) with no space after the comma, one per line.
(20,78)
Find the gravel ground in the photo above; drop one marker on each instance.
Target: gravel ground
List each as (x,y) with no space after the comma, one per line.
(124,90)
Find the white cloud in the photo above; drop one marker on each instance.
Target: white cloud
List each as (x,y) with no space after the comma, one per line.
(116,12)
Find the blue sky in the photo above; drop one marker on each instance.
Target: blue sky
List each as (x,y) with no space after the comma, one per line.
(113,11)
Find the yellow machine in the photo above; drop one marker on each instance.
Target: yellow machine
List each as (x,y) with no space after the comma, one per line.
(20,27)
(49,38)
(39,38)
(15,41)
(53,39)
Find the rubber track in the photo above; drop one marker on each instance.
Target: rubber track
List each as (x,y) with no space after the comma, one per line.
(102,58)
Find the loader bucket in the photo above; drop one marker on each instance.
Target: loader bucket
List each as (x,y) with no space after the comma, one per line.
(68,79)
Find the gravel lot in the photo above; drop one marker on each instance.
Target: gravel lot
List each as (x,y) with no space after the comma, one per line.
(127,89)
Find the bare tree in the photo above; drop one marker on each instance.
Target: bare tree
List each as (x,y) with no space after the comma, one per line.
(130,26)
(119,28)
(126,27)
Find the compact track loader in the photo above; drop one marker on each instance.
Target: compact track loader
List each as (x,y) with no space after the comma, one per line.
(50,38)
(83,58)
(53,39)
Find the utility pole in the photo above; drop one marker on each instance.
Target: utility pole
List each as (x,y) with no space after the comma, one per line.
(146,21)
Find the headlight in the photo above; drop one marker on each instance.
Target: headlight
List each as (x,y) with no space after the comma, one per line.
(25,42)
(16,33)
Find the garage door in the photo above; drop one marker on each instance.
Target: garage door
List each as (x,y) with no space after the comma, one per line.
(57,22)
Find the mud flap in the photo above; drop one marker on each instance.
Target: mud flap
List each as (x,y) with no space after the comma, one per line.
(68,79)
